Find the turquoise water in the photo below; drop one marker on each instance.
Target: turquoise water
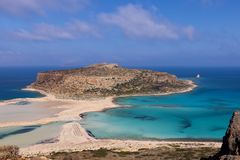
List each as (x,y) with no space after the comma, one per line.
(201,114)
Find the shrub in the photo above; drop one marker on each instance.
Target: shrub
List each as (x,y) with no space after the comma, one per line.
(9,152)
(100,152)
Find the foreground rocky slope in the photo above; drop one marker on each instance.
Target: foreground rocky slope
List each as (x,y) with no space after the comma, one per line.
(171,152)
(230,149)
(103,80)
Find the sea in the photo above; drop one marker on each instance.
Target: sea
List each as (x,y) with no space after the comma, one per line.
(202,114)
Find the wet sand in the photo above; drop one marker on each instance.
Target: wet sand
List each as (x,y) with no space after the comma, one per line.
(73,137)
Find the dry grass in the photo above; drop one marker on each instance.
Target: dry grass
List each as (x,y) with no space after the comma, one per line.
(161,153)
(171,152)
(9,152)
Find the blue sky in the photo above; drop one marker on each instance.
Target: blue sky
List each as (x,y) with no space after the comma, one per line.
(128,32)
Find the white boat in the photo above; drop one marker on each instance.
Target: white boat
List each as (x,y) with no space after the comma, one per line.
(198,76)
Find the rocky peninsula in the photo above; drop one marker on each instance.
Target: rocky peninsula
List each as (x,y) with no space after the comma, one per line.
(104,80)
(101,82)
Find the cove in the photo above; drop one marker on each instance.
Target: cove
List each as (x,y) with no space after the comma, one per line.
(202,114)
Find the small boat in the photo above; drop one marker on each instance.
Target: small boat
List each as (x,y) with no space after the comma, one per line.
(198,76)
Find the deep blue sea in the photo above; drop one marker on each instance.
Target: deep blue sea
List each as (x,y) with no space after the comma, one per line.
(201,114)
(14,79)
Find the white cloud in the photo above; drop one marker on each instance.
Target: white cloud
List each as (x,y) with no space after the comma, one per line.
(48,32)
(17,7)
(136,21)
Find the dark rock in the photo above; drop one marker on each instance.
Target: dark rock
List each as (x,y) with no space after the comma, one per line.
(230,149)
(229,157)
(90,133)
(82,115)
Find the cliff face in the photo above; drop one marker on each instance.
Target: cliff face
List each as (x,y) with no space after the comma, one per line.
(103,80)
(230,149)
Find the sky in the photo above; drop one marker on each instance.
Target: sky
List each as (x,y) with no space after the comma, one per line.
(127,32)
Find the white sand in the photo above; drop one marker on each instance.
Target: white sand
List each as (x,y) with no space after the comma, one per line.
(71,109)
(73,136)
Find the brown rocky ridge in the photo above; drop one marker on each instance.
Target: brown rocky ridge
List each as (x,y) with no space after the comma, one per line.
(230,149)
(102,80)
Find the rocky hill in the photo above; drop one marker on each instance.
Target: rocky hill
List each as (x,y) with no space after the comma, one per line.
(230,149)
(101,80)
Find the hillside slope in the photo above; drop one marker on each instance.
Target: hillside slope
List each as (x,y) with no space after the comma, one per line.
(102,80)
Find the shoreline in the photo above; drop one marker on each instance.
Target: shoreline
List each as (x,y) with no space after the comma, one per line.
(189,89)
(73,137)
(108,102)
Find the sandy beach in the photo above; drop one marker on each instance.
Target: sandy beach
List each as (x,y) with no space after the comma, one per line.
(73,137)
(71,109)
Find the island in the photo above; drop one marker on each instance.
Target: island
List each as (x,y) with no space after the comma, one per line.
(104,80)
(74,92)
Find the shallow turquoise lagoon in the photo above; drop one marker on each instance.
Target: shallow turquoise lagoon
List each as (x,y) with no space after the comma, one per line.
(201,114)
(23,136)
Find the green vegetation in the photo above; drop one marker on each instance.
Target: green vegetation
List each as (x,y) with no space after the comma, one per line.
(124,154)
(100,152)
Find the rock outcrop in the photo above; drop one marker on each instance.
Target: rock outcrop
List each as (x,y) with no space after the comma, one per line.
(230,149)
(101,80)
